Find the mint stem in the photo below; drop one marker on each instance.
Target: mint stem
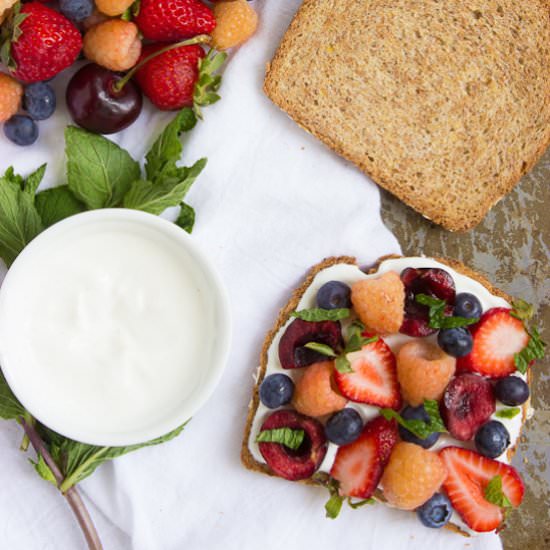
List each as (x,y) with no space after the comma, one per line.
(25,441)
(72,495)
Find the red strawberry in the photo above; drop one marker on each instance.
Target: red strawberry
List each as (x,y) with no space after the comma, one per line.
(44,42)
(468,473)
(374,376)
(497,337)
(359,466)
(168,80)
(173,20)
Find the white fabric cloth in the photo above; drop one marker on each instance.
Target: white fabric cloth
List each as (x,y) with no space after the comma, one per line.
(271,202)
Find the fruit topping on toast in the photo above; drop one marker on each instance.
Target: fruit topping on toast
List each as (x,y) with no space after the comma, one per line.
(472,485)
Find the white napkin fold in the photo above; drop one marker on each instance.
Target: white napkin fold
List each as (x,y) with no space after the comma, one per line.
(271,202)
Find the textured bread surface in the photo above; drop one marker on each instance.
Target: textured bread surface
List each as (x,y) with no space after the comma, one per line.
(444,103)
(284,314)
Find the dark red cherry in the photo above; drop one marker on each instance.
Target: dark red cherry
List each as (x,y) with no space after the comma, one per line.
(97,105)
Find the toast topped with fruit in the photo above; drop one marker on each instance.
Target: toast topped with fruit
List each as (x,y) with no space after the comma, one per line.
(406,385)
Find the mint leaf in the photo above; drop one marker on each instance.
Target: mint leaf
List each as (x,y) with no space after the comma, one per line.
(79,460)
(43,470)
(186,218)
(360,503)
(522,310)
(342,364)
(532,351)
(166,151)
(333,506)
(317,314)
(508,412)
(33,181)
(10,408)
(155,198)
(285,436)
(437,317)
(19,220)
(99,172)
(56,204)
(493,493)
(418,427)
(321,348)
(208,82)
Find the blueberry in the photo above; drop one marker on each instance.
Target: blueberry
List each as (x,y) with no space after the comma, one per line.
(417,413)
(344,427)
(334,295)
(467,305)
(21,130)
(435,512)
(39,100)
(276,390)
(512,391)
(76,10)
(457,342)
(492,439)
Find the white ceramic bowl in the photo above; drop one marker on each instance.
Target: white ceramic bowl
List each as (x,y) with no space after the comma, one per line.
(65,402)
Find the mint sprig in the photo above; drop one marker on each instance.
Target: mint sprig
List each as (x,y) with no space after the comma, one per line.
(532,351)
(317,314)
(418,427)
(333,505)
(436,314)
(494,494)
(509,412)
(285,436)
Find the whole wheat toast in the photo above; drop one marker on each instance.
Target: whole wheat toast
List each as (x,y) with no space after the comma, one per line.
(247,458)
(444,104)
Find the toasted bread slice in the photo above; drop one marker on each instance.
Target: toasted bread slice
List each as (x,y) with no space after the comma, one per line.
(444,104)
(247,458)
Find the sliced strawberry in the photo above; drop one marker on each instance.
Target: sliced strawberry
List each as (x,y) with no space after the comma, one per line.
(468,475)
(497,337)
(374,376)
(359,466)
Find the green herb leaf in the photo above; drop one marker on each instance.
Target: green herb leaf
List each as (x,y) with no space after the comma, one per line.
(285,436)
(342,364)
(79,460)
(19,220)
(317,314)
(10,408)
(493,493)
(33,181)
(360,503)
(321,348)
(208,82)
(155,198)
(333,506)
(43,470)
(532,351)
(522,310)
(437,317)
(99,172)
(418,427)
(508,412)
(56,204)
(186,218)
(166,151)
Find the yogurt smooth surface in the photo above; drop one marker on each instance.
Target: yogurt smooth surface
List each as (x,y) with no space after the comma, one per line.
(350,274)
(107,329)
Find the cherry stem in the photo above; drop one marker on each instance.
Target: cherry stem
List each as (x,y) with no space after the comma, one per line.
(200,39)
(72,495)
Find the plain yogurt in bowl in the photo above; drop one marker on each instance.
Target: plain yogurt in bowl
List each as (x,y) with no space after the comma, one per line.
(114,327)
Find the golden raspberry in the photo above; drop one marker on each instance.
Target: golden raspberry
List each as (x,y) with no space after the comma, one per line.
(412,476)
(380,303)
(11,93)
(424,371)
(113,44)
(113,7)
(236,22)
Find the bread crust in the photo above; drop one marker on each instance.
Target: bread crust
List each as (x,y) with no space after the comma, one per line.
(284,314)
(285,89)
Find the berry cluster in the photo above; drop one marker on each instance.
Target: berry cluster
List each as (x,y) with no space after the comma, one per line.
(451,364)
(159,42)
